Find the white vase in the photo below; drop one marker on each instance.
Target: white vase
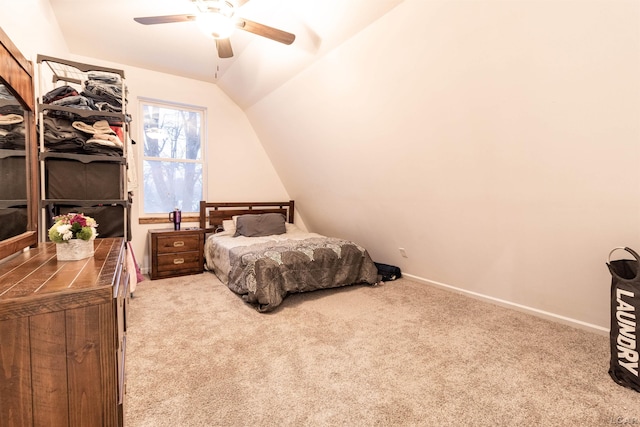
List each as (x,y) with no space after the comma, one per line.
(74,249)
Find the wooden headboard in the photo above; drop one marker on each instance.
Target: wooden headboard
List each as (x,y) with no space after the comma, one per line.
(213,213)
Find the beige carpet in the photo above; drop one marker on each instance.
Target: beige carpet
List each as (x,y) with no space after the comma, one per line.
(399,354)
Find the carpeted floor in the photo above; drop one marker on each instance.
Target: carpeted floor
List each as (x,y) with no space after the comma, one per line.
(398,354)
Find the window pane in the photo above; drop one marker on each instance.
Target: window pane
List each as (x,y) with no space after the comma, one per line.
(170,185)
(173,160)
(171,133)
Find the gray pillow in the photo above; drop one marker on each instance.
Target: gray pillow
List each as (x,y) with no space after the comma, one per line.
(260,225)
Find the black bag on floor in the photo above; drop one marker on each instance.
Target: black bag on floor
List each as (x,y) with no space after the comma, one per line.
(625,307)
(388,272)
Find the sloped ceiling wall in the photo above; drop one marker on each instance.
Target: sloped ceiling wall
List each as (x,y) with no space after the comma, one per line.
(497,142)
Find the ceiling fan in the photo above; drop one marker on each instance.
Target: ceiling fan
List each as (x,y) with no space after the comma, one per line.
(218,18)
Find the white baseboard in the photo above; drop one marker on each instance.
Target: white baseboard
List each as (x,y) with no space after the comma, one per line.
(534,311)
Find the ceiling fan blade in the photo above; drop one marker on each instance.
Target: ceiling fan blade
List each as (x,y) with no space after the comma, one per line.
(266,31)
(224,48)
(241,2)
(167,19)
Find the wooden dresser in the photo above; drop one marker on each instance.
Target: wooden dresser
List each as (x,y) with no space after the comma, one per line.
(62,337)
(176,252)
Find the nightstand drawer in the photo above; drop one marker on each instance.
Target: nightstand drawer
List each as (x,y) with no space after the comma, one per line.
(180,243)
(180,261)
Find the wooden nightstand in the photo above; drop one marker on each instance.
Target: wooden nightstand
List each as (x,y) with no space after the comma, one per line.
(176,252)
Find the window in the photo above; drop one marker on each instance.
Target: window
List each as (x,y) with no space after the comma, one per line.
(173,160)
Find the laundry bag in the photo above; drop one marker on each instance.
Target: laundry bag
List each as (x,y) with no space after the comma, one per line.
(625,308)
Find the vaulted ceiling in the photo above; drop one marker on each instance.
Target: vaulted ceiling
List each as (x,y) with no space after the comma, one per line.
(107,30)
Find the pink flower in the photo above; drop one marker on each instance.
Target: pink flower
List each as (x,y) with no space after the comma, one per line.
(78,219)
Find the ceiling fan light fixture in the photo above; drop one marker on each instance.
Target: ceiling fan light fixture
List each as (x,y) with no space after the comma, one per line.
(216,19)
(216,24)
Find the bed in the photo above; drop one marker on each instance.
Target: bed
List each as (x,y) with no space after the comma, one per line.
(257,251)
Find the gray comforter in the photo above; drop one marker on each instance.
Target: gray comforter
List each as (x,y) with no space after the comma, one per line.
(265,273)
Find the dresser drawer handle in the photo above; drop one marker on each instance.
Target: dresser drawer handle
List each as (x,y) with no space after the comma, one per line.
(178,243)
(178,261)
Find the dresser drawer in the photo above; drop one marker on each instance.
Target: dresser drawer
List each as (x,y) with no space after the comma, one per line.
(180,261)
(180,243)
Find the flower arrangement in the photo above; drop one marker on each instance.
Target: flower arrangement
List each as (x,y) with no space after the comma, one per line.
(72,226)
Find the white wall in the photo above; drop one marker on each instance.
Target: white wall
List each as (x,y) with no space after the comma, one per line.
(32,27)
(498,142)
(239,169)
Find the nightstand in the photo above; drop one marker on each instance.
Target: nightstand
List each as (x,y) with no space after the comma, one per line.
(176,252)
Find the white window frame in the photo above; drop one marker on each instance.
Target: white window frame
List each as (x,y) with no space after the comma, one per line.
(142,102)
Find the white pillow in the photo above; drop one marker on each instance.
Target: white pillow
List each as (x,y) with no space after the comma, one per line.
(229,225)
(292,228)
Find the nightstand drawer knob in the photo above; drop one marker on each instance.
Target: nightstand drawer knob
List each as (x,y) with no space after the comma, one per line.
(178,261)
(178,243)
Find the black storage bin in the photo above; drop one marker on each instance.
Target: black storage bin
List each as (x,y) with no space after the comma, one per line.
(13,221)
(73,179)
(13,170)
(110,218)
